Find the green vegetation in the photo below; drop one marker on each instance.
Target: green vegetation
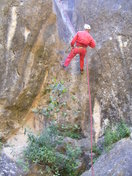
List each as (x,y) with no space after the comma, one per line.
(69,130)
(56,100)
(120,131)
(96,150)
(112,135)
(66,130)
(24,165)
(43,150)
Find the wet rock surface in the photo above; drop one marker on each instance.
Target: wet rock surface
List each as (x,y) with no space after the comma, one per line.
(116,162)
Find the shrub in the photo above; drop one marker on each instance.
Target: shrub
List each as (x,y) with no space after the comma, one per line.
(43,150)
(56,101)
(96,150)
(120,130)
(111,136)
(24,165)
(69,130)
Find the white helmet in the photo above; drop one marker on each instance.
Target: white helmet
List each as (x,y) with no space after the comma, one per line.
(87,26)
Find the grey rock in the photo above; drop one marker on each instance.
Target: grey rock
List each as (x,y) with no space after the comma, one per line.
(85,144)
(27,36)
(116,162)
(22,67)
(131,136)
(109,63)
(28,47)
(8,167)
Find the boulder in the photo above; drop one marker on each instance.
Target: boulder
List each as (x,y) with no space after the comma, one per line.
(118,161)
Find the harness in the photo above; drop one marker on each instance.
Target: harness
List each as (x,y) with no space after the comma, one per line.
(80,47)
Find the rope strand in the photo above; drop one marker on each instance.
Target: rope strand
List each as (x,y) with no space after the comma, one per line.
(91,119)
(90,104)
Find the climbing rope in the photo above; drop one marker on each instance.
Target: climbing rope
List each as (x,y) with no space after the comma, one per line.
(60,6)
(91,119)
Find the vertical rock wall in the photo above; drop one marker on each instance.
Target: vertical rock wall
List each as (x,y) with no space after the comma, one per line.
(110,62)
(27,43)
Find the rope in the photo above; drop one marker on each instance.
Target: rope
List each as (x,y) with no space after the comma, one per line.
(91,119)
(90,104)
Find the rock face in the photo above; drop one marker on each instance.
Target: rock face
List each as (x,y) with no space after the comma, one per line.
(116,162)
(110,62)
(30,53)
(27,43)
(8,167)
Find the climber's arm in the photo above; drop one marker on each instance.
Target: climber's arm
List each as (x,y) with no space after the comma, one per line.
(92,43)
(73,40)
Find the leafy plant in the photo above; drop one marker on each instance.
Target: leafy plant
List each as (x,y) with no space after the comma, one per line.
(23,164)
(69,130)
(111,136)
(96,150)
(55,102)
(58,88)
(123,130)
(43,149)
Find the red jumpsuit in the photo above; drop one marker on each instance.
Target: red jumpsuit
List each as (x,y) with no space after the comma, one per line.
(82,39)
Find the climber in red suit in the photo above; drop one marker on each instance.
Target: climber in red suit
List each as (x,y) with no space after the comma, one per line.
(82,39)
